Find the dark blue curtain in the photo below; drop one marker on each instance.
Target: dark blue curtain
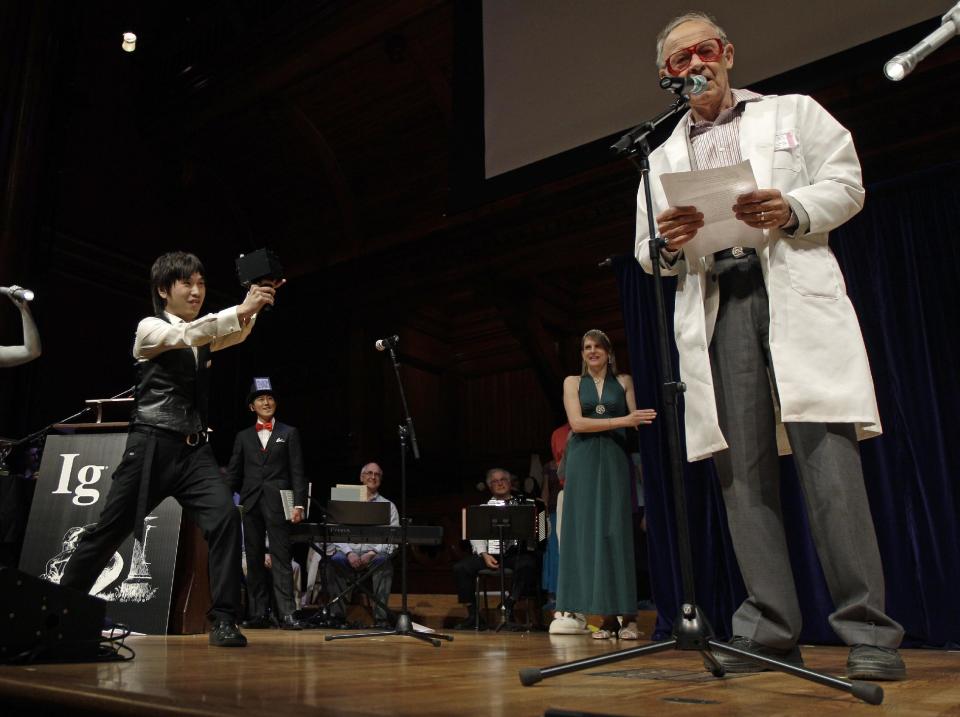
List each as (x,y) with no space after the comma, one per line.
(901,260)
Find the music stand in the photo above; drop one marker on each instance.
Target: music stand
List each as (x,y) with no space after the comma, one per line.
(501,522)
(358,512)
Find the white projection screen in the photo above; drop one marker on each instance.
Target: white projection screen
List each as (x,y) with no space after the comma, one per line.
(561,73)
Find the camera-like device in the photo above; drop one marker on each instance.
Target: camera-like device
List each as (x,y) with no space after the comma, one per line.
(258,267)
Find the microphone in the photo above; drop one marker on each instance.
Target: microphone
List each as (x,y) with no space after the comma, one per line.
(387,343)
(899,66)
(689,85)
(17,292)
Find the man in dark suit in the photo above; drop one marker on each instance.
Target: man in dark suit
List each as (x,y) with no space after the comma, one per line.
(266,460)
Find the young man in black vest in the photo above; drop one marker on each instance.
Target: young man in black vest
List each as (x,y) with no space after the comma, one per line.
(267,458)
(167,451)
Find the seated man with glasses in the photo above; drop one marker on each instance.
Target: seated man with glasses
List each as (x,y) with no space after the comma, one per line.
(358,557)
(487,554)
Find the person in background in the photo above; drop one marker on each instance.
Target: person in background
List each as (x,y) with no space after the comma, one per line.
(30,349)
(596,538)
(549,494)
(267,459)
(487,554)
(357,557)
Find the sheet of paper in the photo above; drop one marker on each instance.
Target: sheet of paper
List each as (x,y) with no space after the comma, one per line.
(714,192)
(287,497)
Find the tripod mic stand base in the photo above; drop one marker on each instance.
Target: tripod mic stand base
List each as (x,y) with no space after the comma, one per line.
(404,628)
(692,633)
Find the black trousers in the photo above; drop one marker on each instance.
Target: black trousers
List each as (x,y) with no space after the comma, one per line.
(192,476)
(523,564)
(259,521)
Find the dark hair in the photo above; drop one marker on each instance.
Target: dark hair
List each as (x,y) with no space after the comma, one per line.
(167,270)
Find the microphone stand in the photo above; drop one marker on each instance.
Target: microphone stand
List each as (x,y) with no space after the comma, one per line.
(7,446)
(691,629)
(405,430)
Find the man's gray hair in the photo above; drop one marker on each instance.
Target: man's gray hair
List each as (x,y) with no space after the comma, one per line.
(491,472)
(679,20)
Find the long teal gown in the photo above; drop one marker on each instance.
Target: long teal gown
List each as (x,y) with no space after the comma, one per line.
(597,574)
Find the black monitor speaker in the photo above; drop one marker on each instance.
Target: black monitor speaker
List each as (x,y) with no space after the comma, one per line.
(44,622)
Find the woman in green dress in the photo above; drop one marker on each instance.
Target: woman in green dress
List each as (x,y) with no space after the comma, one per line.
(596,534)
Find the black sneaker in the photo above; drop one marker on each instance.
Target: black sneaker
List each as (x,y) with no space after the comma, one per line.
(869,662)
(736,664)
(225,633)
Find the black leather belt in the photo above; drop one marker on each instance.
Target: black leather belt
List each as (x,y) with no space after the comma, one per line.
(736,252)
(156,434)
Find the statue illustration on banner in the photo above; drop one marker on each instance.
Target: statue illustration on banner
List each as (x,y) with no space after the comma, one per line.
(135,587)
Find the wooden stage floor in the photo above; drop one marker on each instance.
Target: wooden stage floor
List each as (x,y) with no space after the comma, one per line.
(287,673)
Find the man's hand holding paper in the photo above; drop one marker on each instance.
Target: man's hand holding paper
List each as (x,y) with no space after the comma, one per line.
(715,209)
(763,209)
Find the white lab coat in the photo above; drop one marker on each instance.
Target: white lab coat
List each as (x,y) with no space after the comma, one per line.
(821,365)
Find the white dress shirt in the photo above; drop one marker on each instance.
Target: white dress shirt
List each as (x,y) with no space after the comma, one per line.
(220,330)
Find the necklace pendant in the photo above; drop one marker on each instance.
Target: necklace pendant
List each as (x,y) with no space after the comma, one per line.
(600,409)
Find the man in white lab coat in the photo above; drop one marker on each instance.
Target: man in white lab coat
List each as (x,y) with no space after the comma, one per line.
(771,331)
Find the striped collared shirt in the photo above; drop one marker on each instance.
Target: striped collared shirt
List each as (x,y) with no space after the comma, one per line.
(717,144)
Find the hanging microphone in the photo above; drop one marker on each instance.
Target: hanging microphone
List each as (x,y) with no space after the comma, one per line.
(902,65)
(387,343)
(689,85)
(17,292)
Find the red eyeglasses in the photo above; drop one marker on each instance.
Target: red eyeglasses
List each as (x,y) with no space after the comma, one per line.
(707,50)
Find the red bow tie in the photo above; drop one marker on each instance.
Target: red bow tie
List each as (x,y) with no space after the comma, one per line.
(264,426)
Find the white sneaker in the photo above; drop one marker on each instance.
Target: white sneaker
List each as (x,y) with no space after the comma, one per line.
(569,623)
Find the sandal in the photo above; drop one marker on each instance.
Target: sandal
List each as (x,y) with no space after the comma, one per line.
(630,631)
(608,630)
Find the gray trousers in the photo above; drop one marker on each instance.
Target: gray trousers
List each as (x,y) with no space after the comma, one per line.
(828,464)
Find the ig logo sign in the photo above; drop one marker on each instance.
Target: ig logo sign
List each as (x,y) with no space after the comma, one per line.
(87,476)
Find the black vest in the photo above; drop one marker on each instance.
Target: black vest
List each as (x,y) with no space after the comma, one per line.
(172,390)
